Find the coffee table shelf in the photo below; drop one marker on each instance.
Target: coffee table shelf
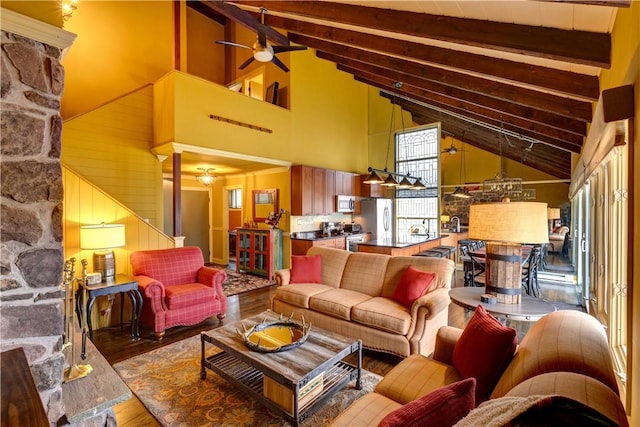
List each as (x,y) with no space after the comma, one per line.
(287,372)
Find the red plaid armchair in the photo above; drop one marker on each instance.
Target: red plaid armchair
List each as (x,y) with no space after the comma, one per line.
(177,288)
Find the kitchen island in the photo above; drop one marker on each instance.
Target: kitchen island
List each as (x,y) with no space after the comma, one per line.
(408,246)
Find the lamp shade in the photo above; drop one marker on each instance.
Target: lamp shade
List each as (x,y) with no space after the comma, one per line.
(509,222)
(102,236)
(553,213)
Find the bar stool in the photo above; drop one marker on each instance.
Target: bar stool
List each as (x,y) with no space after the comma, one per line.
(430,253)
(447,251)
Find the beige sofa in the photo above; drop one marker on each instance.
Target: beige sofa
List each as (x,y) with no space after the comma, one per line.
(564,354)
(556,239)
(355,300)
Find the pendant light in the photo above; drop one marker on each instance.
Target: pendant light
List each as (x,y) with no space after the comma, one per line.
(206,178)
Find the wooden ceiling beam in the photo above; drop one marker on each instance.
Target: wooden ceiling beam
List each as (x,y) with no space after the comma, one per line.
(544,158)
(495,121)
(608,3)
(572,46)
(525,118)
(544,102)
(245,19)
(583,86)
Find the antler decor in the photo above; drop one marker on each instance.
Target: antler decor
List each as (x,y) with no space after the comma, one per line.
(271,337)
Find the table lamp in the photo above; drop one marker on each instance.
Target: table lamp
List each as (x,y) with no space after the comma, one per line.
(552,215)
(505,227)
(102,238)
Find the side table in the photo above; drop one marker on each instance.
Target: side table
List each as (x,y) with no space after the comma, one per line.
(120,285)
(529,310)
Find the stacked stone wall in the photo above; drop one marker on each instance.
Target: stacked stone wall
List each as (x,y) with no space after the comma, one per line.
(31,254)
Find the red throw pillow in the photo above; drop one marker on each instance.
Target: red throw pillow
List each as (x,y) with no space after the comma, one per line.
(306,269)
(483,351)
(442,407)
(412,285)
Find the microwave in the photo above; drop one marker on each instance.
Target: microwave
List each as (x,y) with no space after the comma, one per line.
(345,203)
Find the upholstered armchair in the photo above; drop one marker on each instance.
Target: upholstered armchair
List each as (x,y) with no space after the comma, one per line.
(177,288)
(557,238)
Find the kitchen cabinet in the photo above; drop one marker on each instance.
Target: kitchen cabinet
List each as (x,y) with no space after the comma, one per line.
(301,246)
(259,251)
(347,183)
(313,190)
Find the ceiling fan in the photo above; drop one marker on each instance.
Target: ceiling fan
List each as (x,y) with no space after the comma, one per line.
(263,51)
(451,150)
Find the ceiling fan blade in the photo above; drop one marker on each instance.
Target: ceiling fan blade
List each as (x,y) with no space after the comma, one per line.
(246,63)
(279,49)
(280,64)
(232,44)
(262,34)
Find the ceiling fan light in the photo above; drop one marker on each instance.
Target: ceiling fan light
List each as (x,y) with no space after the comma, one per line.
(373,178)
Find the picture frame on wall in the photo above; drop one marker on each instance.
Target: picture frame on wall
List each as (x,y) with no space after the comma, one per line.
(272,93)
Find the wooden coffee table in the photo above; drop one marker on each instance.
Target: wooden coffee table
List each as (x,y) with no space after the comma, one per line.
(293,383)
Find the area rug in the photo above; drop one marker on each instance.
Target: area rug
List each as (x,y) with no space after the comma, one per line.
(167,381)
(238,283)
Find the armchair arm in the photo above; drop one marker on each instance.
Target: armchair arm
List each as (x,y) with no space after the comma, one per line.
(283,277)
(154,291)
(446,340)
(428,314)
(212,277)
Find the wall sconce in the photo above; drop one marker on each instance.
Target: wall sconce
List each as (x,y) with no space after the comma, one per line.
(206,178)
(102,238)
(68,7)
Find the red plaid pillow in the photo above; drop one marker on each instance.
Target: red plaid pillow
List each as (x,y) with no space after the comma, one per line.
(442,407)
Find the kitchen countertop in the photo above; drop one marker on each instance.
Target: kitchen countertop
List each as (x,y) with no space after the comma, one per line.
(462,230)
(408,241)
(328,237)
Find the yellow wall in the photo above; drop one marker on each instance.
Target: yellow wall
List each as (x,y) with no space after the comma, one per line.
(625,69)
(46,11)
(121,46)
(85,204)
(112,146)
(204,57)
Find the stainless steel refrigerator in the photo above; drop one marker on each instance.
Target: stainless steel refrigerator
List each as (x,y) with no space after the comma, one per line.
(376,216)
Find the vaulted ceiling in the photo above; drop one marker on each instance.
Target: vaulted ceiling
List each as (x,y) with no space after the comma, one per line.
(515,78)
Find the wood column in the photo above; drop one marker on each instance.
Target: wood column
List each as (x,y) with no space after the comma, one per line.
(177,194)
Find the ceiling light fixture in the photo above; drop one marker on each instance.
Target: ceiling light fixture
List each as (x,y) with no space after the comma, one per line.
(383,176)
(68,7)
(206,178)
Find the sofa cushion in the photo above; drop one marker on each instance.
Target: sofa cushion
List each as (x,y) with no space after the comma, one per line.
(337,302)
(333,263)
(186,295)
(415,377)
(442,407)
(306,269)
(484,350)
(364,273)
(384,314)
(369,410)
(412,285)
(300,294)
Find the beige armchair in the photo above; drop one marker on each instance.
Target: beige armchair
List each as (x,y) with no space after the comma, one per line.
(556,239)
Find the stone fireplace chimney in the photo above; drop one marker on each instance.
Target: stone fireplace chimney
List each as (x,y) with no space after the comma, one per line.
(31,254)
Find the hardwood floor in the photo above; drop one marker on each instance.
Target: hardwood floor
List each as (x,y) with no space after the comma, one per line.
(115,344)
